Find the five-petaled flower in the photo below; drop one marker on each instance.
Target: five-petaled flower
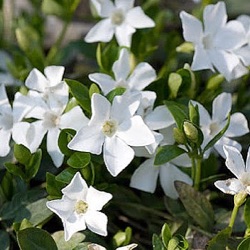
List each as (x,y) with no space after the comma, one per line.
(120,19)
(79,208)
(235,163)
(115,128)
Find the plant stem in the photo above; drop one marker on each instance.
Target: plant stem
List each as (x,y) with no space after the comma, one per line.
(197,178)
(233,216)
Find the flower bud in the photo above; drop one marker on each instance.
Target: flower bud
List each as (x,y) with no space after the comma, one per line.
(179,136)
(190,131)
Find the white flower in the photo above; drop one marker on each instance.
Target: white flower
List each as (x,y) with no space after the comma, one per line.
(120,19)
(9,116)
(51,119)
(211,126)
(216,43)
(98,247)
(80,208)
(236,165)
(113,127)
(140,78)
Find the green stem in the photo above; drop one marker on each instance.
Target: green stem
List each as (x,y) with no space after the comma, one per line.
(197,178)
(233,216)
(54,49)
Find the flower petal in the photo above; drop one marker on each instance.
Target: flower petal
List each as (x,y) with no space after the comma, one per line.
(123,34)
(5,141)
(105,82)
(97,199)
(234,161)
(117,155)
(97,222)
(142,76)
(135,133)
(231,186)
(248,160)
(53,148)
(192,28)
(168,175)
(124,4)
(88,139)
(77,188)
(103,31)
(238,125)
(137,18)
(54,74)
(121,67)
(222,105)
(145,176)
(4,101)
(201,59)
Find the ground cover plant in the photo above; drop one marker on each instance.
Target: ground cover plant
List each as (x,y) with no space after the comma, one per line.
(134,135)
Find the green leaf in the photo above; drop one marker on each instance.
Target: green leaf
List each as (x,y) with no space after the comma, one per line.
(93,89)
(157,243)
(178,111)
(15,170)
(244,245)
(219,241)
(35,238)
(178,242)
(196,205)
(167,153)
(66,175)
(4,240)
(32,167)
(194,114)
(22,154)
(71,243)
(214,82)
(17,226)
(218,136)
(54,186)
(81,93)
(123,238)
(247,212)
(64,138)
(117,91)
(166,234)
(79,160)
(174,83)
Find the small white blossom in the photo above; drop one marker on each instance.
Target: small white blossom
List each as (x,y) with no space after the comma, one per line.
(235,163)
(215,41)
(142,75)
(212,125)
(115,128)
(120,19)
(79,208)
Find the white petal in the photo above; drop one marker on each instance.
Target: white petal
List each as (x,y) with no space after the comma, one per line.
(192,28)
(123,34)
(105,82)
(168,175)
(117,155)
(54,74)
(201,59)
(74,119)
(128,247)
(97,222)
(151,148)
(29,134)
(97,199)
(147,103)
(231,186)
(142,76)
(36,81)
(234,161)
(238,125)
(215,17)
(88,139)
(5,140)
(244,55)
(77,188)
(137,18)
(135,133)
(182,161)
(159,118)
(107,7)
(205,119)
(53,148)
(221,107)
(125,106)
(248,160)
(121,67)
(124,4)
(4,101)
(103,31)
(145,176)
(245,20)
(100,110)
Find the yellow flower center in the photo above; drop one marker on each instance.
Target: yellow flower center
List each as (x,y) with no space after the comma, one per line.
(81,207)
(109,128)
(117,17)
(214,128)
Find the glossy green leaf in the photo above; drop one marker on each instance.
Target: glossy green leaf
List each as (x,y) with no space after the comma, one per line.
(196,205)
(117,91)
(157,243)
(194,116)
(79,160)
(64,138)
(178,242)
(54,186)
(219,241)
(166,234)
(244,245)
(4,240)
(93,89)
(32,167)
(22,154)
(81,93)
(167,153)
(35,238)
(66,175)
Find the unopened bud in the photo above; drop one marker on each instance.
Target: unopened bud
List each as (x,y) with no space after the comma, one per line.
(179,136)
(190,131)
